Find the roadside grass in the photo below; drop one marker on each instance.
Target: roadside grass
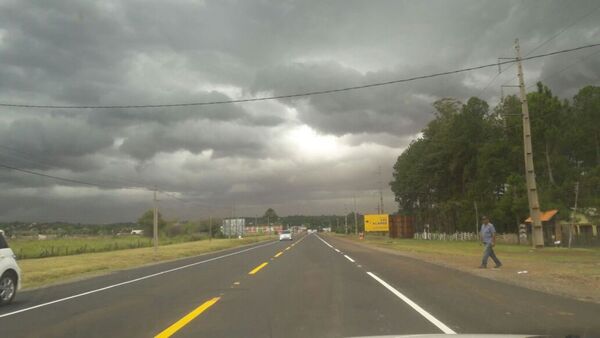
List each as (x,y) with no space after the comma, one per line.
(570,272)
(65,246)
(44,271)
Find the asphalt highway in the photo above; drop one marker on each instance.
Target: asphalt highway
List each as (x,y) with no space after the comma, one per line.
(314,286)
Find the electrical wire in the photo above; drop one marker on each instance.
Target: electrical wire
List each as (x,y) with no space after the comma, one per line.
(99,185)
(563,69)
(304,94)
(68,180)
(576,21)
(20,155)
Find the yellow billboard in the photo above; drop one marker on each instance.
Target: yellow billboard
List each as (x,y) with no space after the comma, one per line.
(380,222)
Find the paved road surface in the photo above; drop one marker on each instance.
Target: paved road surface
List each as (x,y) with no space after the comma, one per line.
(316,286)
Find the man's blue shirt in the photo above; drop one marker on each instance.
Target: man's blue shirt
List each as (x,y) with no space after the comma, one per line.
(487,232)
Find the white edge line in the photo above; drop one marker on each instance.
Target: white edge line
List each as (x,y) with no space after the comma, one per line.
(130,281)
(337,250)
(348,258)
(414,305)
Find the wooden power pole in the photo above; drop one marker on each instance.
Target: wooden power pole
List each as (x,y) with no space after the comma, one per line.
(537,234)
(155,223)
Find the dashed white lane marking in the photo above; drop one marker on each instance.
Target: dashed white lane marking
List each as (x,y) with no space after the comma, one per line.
(414,305)
(329,245)
(348,258)
(337,250)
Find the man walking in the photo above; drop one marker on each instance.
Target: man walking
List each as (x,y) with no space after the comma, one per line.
(488,237)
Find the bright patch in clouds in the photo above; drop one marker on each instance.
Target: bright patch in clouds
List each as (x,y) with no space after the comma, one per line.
(311,145)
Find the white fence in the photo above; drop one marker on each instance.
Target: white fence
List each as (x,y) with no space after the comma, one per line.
(464,236)
(457,236)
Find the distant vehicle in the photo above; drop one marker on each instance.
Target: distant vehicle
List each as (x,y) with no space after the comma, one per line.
(285,235)
(311,231)
(137,232)
(10,273)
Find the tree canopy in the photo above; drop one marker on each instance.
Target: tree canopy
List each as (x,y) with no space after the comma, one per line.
(146,222)
(271,215)
(471,154)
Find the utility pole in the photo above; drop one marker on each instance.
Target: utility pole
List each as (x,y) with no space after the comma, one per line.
(355,218)
(574,218)
(476,218)
(346,219)
(209,228)
(155,223)
(380,193)
(537,234)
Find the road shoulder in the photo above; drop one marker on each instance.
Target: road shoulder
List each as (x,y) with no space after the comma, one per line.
(523,274)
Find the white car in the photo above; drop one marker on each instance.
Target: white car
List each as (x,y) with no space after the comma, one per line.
(285,235)
(10,273)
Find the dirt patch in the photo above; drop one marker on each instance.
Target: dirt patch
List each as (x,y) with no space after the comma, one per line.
(574,274)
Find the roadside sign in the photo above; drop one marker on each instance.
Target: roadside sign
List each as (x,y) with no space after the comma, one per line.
(377,222)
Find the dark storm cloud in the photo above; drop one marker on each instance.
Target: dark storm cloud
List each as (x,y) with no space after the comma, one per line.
(223,139)
(394,109)
(53,137)
(156,52)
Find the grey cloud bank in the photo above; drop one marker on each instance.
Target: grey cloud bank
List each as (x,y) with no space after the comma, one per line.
(306,155)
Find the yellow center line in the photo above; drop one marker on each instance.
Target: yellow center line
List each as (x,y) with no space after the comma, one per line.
(289,247)
(256,269)
(187,318)
(279,254)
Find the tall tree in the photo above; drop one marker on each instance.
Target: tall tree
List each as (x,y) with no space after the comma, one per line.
(468,154)
(146,222)
(546,125)
(271,215)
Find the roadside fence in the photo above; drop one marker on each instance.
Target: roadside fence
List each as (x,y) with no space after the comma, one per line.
(457,236)
(464,236)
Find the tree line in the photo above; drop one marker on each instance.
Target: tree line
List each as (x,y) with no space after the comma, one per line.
(470,155)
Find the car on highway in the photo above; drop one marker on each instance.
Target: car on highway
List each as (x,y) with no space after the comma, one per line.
(285,235)
(10,273)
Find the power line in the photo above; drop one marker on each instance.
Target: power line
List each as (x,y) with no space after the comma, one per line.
(576,21)
(105,186)
(565,68)
(18,154)
(69,180)
(310,93)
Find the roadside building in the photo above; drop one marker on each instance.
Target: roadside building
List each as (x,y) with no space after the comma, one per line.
(552,231)
(581,226)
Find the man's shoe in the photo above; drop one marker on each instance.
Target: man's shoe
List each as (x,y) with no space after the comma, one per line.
(483,267)
(497,266)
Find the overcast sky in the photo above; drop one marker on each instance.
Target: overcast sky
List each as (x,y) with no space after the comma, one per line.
(300,156)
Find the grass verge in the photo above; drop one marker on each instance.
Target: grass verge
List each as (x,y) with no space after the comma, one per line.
(66,246)
(44,271)
(573,273)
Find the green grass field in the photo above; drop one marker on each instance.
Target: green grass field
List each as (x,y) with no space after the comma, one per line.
(42,271)
(66,246)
